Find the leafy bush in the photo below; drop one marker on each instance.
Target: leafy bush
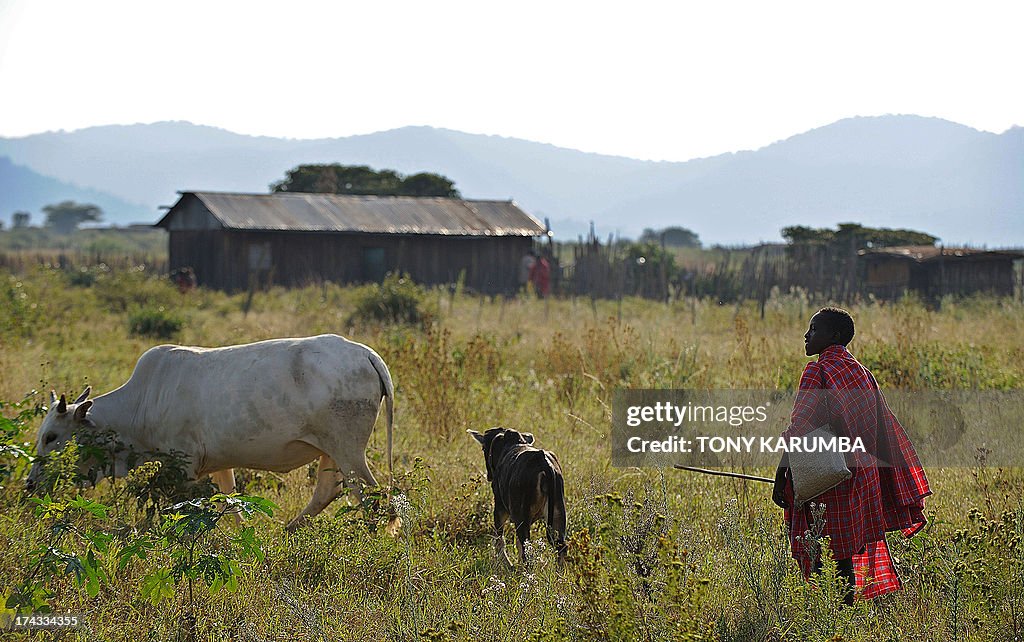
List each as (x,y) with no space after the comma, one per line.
(163,479)
(194,556)
(82,531)
(121,290)
(647,268)
(86,276)
(19,311)
(154,322)
(74,547)
(397,300)
(935,365)
(13,449)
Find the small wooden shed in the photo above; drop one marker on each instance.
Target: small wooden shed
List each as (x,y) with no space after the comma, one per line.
(935,271)
(234,241)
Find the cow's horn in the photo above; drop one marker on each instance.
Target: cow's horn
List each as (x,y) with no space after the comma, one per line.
(85,394)
(53,397)
(62,405)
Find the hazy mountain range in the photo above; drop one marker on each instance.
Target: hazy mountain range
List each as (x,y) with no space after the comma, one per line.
(958,183)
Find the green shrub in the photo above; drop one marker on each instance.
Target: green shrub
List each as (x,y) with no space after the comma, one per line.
(397,300)
(154,322)
(19,311)
(163,480)
(86,276)
(15,418)
(121,290)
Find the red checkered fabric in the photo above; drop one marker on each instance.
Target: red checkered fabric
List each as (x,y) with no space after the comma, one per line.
(887,490)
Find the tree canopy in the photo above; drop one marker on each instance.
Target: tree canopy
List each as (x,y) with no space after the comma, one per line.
(363,180)
(861,236)
(66,216)
(671,237)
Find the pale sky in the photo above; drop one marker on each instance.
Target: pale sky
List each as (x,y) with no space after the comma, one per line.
(650,80)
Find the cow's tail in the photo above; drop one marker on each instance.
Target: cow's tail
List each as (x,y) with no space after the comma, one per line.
(556,505)
(388,393)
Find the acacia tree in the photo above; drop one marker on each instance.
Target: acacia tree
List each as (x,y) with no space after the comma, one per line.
(860,236)
(428,184)
(671,236)
(363,180)
(65,217)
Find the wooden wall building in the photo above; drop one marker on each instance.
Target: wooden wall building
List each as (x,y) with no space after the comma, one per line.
(233,241)
(933,271)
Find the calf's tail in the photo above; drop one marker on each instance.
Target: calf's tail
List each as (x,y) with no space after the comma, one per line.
(555,490)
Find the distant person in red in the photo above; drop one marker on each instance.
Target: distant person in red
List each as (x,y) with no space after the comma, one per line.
(540,276)
(887,490)
(526,269)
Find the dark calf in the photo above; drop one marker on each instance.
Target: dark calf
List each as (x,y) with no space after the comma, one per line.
(527,485)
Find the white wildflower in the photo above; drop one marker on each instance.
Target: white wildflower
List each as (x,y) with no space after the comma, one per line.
(494,585)
(400,504)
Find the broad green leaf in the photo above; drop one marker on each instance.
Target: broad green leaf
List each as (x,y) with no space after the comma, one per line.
(157,586)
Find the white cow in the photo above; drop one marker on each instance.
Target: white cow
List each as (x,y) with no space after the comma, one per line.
(272,405)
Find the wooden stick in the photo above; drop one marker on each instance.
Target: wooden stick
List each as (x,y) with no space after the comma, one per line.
(724,473)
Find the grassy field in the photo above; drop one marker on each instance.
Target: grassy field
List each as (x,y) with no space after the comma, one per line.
(654,555)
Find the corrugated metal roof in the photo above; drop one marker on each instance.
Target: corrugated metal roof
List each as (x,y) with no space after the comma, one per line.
(923,253)
(368,214)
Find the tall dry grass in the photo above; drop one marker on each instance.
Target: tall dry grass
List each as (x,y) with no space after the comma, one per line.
(655,555)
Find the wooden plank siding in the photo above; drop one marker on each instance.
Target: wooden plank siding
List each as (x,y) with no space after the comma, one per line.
(959,276)
(221,259)
(936,277)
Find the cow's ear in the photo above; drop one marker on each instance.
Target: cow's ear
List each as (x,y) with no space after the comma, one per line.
(476,435)
(85,394)
(82,410)
(528,437)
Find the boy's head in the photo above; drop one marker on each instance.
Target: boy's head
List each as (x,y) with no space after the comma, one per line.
(829,326)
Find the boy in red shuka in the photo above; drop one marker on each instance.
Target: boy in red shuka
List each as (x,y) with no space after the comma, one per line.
(887,490)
